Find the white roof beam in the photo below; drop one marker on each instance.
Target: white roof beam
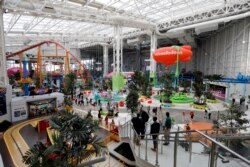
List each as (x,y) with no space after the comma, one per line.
(13,21)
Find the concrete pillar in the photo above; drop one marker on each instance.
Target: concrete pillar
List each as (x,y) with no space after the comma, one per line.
(117,49)
(3,73)
(105,60)
(152,49)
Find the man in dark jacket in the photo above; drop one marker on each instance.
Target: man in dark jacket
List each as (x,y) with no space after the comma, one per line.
(137,124)
(144,118)
(154,131)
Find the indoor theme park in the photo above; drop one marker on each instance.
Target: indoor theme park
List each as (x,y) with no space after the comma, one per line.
(124,83)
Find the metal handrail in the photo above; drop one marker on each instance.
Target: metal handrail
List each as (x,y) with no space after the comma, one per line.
(176,138)
(224,147)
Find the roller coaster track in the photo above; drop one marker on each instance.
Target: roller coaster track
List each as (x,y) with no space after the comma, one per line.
(49,42)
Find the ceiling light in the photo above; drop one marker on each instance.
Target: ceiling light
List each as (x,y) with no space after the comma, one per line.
(73,3)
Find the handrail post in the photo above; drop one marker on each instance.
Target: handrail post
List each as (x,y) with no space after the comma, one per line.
(212,155)
(162,145)
(130,129)
(139,147)
(156,157)
(127,130)
(146,150)
(175,150)
(190,151)
(178,129)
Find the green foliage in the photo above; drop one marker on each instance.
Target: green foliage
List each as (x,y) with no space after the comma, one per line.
(198,85)
(234,117)
(37,82)
(140,83)
(73,136)
(214,77)
(132,100)
(69,84)
(167,81)
(67,101)
(185,84)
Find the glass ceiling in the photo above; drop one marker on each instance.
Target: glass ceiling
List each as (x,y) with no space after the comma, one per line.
(84,21)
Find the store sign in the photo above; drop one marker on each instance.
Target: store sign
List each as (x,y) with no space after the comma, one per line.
(19,111)
(3,109)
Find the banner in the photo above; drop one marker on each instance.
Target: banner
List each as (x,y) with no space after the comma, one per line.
(3,109)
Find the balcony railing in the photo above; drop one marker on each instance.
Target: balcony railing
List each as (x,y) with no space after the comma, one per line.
(191,148)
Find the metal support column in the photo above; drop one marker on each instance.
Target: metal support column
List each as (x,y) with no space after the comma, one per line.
(212,155)
(117,50)
(105,60)
(152,49)
(3,74)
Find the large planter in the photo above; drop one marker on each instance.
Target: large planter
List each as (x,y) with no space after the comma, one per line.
(199,106)
(212,101)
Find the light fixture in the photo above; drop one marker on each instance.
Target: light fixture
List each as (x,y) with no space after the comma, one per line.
(73,3)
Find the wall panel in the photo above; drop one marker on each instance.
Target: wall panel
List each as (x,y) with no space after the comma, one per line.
(227,52)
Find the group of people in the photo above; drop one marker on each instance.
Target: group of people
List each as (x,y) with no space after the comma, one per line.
(207,114)
(139,124)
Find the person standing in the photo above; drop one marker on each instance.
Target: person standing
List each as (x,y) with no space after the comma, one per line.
(107,121)
(191,116)
(209,115)
(205,116)
(167,127)
(183,116)
(144,119)
(154,131)
(137,124)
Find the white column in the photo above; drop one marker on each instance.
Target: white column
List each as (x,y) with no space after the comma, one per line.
(152,49)
(3,73)
(105,60)
(117,49)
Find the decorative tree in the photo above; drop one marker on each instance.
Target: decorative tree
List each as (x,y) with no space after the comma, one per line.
(234,117)
(141,83)
(198,86)
(73,143)
(69,84)
(185,84)
(167,82)
(132,100)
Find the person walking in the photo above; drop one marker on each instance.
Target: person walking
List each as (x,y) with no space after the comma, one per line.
(154,131)
(167,126)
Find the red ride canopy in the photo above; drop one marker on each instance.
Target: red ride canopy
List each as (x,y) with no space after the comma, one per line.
(168,55)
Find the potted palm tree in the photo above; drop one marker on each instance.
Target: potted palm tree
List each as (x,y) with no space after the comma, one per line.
(73,142)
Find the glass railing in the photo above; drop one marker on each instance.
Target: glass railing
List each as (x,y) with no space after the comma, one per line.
(186,149)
